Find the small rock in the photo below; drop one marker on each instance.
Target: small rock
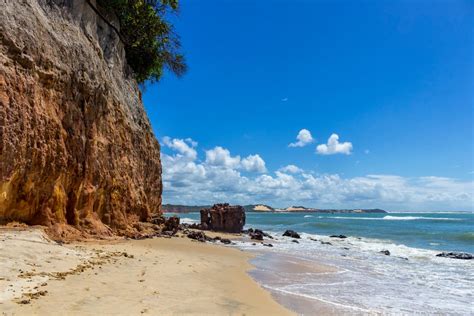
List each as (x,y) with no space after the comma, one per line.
(295,241)
(291,233)
(256,234)
(200,236)
(338,236)
(268,245)
(325,243)
(225,241)
(456,255)
(385,252)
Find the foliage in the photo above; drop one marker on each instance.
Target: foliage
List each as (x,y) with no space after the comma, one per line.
(150,42)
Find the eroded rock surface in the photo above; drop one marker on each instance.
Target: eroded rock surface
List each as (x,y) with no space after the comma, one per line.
(224,218)
(76,147)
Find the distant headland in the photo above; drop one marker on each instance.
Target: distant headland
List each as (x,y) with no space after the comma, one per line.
(173,208)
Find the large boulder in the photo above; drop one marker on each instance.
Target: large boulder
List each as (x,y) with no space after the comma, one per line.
(224,218)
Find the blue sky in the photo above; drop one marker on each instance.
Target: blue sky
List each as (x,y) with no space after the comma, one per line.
(393,79)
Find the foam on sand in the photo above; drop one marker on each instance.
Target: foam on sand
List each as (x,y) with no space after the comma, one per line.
(367,280)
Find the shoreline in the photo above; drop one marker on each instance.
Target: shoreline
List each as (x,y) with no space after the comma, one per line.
(159,275)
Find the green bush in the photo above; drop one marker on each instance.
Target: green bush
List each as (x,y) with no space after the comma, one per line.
(150,42)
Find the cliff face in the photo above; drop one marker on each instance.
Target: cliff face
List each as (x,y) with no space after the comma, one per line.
(76,146)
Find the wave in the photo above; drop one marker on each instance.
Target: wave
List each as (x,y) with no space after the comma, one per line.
(306,216)
(360,247)
(187,220)
(314,297)
(411,218)
(466,237)
(395,218)
(445,284)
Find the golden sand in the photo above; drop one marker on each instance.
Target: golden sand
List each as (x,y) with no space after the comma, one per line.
(126,277)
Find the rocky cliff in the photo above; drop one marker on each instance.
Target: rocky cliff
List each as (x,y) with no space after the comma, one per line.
(76,147)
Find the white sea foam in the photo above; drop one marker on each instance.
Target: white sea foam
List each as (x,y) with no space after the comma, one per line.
(372,281)
(187,220)
(343,306)
(393,218)
(307,216)
(410,218)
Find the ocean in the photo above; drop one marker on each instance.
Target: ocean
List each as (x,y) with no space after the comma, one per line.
(410,280)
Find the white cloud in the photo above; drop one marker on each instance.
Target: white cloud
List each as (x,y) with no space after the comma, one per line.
(366,151)
(184,147)
(290,169)
(221,157)
(254,163)
(304,138)
(333,146)
(191,181)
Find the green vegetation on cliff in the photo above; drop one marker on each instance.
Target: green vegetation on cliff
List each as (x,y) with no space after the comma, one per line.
(150,42)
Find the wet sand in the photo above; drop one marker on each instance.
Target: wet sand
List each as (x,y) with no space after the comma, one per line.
(279,267)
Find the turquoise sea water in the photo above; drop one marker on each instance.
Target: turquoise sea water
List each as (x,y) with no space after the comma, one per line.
(440,231)
(411,280)
(437,231)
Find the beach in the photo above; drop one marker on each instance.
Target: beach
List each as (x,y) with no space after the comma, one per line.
(126,277)
(313,274)
(364,263)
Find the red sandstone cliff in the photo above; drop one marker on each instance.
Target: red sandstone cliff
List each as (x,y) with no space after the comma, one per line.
(76,146)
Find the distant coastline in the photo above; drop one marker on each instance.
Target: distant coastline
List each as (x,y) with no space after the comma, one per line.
(174,208)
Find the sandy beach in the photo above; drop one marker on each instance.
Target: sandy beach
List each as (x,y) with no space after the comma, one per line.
(126,277)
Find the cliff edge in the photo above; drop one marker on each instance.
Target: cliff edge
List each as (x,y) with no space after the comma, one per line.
(77,152)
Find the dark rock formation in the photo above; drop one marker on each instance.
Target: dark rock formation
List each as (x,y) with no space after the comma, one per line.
(200,236)
(456,255)
(257,235)
(291,233)
(172,224)
(224,218)
(385,252)
(77,151)
(225,241)
(295,241)
(158,219)
(267,245)
(338,236)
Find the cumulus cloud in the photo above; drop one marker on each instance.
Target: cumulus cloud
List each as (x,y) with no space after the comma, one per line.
(304,138)
(184,147)
(221,157)
(333,146)
(290,169)
(254,163)
(218,179)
